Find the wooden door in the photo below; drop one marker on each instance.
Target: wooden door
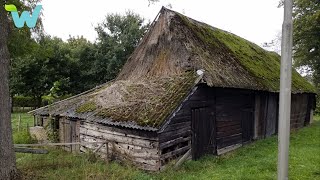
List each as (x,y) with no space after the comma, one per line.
(71,135)
(74,134)
(203,138)
(67,134)
(247,124)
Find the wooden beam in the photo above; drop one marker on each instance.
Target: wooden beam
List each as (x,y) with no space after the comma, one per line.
(175,152)
(56,144)
(96,150)
(174,142)
(32,151)
(228,148)
(183,159)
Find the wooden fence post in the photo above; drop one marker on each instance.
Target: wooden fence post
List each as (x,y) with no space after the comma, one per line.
(19,124)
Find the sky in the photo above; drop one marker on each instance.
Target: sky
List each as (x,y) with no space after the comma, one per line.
(258,21)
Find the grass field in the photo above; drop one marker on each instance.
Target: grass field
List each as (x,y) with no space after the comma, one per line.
(26,119)
(255,161)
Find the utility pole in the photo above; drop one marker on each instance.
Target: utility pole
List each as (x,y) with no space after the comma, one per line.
(285,92)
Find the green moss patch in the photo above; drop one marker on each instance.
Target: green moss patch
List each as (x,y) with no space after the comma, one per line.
(87,107)
(152,103)
(264,66)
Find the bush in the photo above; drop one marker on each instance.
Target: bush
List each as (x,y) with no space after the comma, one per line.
(23,137)
(22,101)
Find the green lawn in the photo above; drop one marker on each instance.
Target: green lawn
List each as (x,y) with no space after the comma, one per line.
(255,161)
(26,119)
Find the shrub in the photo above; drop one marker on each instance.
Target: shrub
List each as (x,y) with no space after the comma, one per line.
(22,101)
(23,137)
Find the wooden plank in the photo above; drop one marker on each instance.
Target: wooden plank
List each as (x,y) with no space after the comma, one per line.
(228,149)
(228,128)
(31,151)
(123,153)
(221,134)
(100,146)
(122,139)
(174,142)
(116,131)
(229,118)
(174,134)
(230,140)
(227,124)
(135,151)
(55,144)
(175,127)
(180,119)
(175,152)
(183,158)
(256,116)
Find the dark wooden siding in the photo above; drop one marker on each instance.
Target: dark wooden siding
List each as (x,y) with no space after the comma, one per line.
(230,109)
(272,114)
(234,116)
(266,114)
(311,107)
(299,107)
(175,139)
(203,132)
(238,116)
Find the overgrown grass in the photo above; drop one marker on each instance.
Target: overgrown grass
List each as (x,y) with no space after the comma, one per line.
(61,165)
(20,134)
(255,161)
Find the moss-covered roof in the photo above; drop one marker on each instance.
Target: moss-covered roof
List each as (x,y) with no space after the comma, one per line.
(161,72)
(146,102)
(262,65)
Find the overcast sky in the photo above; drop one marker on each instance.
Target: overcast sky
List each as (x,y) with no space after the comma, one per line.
(256,20)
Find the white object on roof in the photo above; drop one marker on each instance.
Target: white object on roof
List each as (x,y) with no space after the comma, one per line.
(200,72)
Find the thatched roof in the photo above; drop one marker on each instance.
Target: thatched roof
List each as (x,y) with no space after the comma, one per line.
(161,72)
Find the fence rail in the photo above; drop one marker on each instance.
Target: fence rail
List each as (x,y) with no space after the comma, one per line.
(57,144)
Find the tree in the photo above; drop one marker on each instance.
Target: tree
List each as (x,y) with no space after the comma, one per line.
(7,156)
(48,62)
(82,59)
(117,38)
(306,37)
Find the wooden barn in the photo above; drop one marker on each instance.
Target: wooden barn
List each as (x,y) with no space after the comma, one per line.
(187,86)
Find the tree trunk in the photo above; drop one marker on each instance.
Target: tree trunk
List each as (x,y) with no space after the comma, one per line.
(7,155)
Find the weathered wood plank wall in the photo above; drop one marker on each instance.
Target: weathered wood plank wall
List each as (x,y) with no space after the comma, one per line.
(234,117)
(299,107)
(230,109)
(175,139)
(142,151)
